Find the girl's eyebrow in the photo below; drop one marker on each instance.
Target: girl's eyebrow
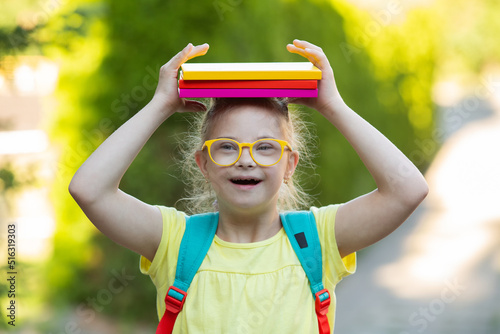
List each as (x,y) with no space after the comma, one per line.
(263,137)
(234,138)
(228,137)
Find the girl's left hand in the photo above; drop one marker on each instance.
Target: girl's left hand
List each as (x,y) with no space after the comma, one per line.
(328,94)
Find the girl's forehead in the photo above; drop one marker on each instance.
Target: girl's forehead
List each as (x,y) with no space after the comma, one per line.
(248,123)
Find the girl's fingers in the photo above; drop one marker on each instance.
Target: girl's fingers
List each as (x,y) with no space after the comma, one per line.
(180,57)
(197,51)
(293,49)
(304,44)
(187,53)
(316,57)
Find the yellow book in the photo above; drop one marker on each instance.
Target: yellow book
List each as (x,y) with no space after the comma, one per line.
(251,71)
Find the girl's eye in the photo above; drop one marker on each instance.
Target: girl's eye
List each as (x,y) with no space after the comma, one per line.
(227,146)
(265,147)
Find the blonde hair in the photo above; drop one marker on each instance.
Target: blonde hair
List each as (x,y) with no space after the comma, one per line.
(200,195)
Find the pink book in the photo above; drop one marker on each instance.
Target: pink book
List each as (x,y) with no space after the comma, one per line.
(254,84)
(214,92)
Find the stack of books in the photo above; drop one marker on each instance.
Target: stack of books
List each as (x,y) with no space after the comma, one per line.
(251,80)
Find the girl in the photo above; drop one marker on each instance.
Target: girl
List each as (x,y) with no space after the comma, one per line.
(250,281)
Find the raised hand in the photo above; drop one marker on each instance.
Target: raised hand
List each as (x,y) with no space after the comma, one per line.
(328,94)
(166,92)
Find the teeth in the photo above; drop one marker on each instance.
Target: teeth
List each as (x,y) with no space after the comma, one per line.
(245,181)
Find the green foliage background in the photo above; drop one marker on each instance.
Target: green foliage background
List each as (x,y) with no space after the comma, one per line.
(110,53)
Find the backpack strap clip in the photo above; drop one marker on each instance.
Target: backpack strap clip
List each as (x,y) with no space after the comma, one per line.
(322,301)
(174,299)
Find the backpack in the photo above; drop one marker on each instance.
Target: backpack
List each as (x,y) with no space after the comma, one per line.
(300,227)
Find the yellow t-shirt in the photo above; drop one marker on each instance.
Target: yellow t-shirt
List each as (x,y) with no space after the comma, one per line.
(255,287)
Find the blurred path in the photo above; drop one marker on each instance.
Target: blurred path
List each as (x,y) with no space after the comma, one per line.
(440,272)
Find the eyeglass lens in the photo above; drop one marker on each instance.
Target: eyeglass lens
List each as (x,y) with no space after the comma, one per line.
(264,152)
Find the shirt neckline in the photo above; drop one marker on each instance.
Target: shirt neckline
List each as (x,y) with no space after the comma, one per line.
(246,245)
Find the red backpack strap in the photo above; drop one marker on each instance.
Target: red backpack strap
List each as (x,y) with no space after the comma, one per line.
(174,301)
(322,303)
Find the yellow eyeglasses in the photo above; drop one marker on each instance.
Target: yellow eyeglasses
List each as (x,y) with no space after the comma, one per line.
(265,152)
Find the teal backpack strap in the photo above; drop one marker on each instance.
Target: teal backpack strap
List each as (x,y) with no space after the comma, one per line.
(301,229)
(197,238)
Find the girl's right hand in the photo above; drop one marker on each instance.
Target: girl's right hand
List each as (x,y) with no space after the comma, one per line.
(166,94)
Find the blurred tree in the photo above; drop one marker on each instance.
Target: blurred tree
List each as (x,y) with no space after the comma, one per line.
(14,40)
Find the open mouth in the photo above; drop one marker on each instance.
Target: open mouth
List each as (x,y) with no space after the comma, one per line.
(246,181)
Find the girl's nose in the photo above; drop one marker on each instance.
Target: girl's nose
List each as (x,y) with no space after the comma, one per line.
(245,159)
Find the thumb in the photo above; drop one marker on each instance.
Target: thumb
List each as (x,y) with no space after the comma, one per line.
(197,51)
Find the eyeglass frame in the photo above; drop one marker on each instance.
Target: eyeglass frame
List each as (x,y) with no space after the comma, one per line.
(284,144)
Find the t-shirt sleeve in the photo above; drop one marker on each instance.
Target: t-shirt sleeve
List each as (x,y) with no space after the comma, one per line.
(335,267)
(165,260)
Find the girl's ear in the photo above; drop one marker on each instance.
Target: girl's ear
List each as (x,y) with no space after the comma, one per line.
(201,161)
(293,160)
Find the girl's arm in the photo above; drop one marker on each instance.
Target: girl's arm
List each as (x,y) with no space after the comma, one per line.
(400,185)
(121,217)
